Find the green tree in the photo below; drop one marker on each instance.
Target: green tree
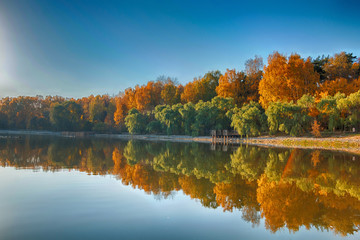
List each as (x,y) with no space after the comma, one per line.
(224,105)
(205,119)
(249,120)
(135,122)
(319,63)
(170,117)
(288,118)
(155,127)
(329,114)
(351,107)
(188,114)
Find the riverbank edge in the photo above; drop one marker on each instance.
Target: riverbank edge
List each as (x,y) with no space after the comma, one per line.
(174,138)
(333,144)
(345,144)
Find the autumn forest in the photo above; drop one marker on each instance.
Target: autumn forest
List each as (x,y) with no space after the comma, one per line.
(288,95)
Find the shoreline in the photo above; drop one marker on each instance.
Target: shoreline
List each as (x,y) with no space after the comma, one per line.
(343,143)
(150,137)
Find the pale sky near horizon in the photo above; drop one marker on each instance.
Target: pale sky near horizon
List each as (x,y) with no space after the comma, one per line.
(77,48)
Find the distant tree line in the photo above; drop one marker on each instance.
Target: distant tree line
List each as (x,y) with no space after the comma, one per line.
(286,95)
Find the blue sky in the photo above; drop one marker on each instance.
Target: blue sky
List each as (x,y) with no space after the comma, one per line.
(78,48)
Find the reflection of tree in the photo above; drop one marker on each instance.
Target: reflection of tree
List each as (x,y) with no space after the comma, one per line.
(188,159)
(342,213)
(249,162)
(200,189)
(284,204)
(239,194)
(290,188)
(315,155)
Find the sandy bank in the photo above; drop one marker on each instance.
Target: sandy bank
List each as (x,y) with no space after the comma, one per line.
(346,143)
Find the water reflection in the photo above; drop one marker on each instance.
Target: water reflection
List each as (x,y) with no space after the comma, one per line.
(289,188)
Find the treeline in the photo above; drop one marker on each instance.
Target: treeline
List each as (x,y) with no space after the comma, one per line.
(329,113)
(286,95)
(57,113)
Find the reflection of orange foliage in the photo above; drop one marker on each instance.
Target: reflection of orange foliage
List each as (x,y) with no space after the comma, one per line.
(290,161)
(118,161)
(239,194)
(331,200)
(315,157)
(283,204)
(201,189)
(143,176)
(342,212)
(236,194)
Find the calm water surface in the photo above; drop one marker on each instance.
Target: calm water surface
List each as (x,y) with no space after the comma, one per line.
(64,188)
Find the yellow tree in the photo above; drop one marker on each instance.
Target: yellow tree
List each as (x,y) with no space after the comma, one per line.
(341,65)
(232,84)
(121,111)
(343,85)
(202,88)
(148,96)
(171,93)
(287,79)
(189,94)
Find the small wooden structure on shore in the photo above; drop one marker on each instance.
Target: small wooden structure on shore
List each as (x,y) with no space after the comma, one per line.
(224,136)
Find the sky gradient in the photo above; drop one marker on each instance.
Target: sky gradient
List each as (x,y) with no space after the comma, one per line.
(78,48)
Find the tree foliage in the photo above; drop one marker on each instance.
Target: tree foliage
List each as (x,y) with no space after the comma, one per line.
(288,118)
(202,88)
(249,120)
(287,79)
(321,89)
(135,122)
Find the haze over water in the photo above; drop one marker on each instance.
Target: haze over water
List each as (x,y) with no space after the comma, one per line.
(89,188)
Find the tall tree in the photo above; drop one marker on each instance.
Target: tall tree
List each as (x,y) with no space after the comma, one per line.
(249,120)
(319,63)
(135,122)
(97,109)
(171,93)
(287,79)
(66,116)
(342,65)
(202,88)
(121,111)
(232,84)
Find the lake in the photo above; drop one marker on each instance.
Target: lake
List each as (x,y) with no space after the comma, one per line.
(99,188)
